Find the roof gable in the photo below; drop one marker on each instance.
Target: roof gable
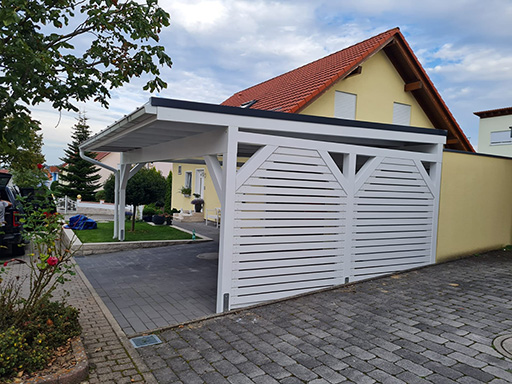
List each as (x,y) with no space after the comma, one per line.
(292,91)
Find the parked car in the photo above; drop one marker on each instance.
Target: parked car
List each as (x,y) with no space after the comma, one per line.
(11,239)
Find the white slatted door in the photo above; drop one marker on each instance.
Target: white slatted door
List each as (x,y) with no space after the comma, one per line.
(393,219)
(289,228)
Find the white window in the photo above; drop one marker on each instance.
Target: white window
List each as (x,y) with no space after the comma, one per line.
(501,137)
(345,105)
(179,169)
(401,114)
(188,179)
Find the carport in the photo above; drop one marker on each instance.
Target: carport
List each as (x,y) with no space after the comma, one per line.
(319,202)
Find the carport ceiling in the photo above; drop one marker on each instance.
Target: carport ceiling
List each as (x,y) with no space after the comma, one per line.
(167,121)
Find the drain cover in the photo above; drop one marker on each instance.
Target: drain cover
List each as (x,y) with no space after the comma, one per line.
(208,256)
(503,345)
(144,341)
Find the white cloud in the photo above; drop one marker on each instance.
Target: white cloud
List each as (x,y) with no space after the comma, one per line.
(221,46)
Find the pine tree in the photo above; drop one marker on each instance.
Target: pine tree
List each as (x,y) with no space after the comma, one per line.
(78,176)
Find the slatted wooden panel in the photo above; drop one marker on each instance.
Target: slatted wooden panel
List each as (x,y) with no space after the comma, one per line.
(393,220)
(289,228)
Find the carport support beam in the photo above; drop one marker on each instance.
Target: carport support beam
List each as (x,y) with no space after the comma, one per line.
(123,180)
(229,160)
(125,174)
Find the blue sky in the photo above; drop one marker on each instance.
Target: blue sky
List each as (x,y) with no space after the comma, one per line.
(221,46)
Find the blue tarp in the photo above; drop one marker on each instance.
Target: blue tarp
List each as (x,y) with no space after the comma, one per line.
(80,222)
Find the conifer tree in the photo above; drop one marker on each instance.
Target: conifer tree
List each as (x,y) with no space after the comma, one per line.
(78,176)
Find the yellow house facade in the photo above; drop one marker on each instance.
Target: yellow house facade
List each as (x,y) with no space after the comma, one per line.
(371,84)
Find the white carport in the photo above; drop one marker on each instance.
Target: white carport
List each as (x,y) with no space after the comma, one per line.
(320,202)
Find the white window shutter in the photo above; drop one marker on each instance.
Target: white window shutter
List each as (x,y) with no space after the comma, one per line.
(401,114)
(345,105)
(501,137)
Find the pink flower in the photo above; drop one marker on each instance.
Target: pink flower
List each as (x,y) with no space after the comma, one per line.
(5,264)
(52,260)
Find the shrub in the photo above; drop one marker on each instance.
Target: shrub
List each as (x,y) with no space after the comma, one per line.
(100,195)
(28,347)
(150,210)
(32,326)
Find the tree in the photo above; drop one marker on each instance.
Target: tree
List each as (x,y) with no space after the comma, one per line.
(78,176)
(168,194)
(29,178)
(39,62)
(145,187)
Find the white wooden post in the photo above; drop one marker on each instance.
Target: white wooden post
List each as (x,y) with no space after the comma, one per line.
(435,175)
(227,222)
(116,204)
(349,171)
(124,176)
(215,170)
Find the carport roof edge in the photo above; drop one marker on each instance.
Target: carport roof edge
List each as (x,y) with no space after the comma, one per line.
(149,112)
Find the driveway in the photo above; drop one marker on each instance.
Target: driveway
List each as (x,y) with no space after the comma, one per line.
(433,325)
(145,289)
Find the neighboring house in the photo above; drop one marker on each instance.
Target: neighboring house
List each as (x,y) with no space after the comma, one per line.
(53,171)
(494,132)
(378,80)
(112,159)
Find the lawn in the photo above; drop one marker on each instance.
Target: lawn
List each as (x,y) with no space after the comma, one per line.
(143,232)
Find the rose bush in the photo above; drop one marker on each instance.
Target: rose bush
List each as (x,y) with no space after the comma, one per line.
(32,324)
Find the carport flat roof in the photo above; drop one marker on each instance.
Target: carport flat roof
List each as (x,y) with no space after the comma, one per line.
(167,120)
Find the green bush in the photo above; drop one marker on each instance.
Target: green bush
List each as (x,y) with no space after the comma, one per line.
(28,347)
(100,195)
(150,210)
(32,327)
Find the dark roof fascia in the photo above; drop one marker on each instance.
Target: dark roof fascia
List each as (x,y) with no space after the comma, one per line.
(477,154)
(494,112)
(237,111)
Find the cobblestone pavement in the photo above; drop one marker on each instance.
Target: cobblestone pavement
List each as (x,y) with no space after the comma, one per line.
(433,325)
(111,357)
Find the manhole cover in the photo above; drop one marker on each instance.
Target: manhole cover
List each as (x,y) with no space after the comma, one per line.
(144,341)
(503,345)
(208,256)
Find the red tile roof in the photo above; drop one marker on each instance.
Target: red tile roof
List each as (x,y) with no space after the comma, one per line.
(494,112)
(292,91)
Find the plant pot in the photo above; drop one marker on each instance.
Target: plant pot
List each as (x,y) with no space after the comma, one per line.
(147,218)
(198,207)
(158,219)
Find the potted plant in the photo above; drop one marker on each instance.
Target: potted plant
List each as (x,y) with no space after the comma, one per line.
(148,212)
(185,191)
(198,202)
(168,216)
(159,217)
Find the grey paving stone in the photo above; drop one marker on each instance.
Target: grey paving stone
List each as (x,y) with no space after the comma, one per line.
(474,373)
(275,370)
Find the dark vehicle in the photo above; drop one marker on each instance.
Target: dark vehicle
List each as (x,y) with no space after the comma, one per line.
(10,233)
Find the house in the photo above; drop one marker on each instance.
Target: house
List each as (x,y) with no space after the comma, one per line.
(377,80)
(494,132)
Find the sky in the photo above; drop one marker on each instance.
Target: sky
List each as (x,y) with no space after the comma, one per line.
(219,47)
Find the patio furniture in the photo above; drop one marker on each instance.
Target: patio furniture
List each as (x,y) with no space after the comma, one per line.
(213,215)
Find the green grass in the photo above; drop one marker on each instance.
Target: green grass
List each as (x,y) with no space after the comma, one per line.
(143,232)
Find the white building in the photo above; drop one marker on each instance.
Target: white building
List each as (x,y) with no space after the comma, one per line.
(494,132)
